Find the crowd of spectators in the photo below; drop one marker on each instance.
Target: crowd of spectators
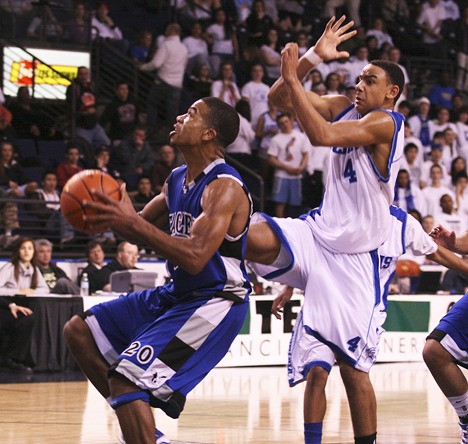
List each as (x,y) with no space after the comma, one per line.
(232,50)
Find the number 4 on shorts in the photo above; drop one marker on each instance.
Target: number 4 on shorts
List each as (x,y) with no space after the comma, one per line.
(353,343)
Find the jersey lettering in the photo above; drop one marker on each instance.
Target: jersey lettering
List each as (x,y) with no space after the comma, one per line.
(180,223)
(385,261)
(343,150)
(350,172)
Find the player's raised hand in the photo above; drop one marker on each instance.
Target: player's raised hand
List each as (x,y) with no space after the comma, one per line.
(289,62)
(334,34)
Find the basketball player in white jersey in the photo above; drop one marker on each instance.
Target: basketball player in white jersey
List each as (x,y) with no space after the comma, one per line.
(275,242)
(447,346)
(366,140)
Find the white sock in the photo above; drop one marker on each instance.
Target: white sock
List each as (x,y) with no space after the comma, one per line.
(460,404)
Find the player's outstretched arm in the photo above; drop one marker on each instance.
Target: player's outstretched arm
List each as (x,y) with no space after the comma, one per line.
(324,50)
(446,258)
(226,209)
(263,246)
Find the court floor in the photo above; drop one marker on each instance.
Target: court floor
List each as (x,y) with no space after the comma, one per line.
(232,406)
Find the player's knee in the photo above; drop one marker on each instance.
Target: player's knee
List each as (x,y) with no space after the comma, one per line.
(124,391)
(127,398)
(317,377)
(434,354)
(351,376)
(74,329)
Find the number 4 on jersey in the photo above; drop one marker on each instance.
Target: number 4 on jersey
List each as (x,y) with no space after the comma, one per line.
(353,343)
(350,172)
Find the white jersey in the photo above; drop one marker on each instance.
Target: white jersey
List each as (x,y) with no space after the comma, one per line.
(353,216)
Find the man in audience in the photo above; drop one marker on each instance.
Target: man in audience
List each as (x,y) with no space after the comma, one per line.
(163,167)
(144,193)
(70,167)
(16,323)
(126,258)
(55,277)
(95,255)
(420,123)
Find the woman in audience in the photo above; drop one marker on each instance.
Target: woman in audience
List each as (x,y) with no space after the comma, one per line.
(408,196)
(270,56)
(225,88)
(458,166)
(199,83)
(21,275)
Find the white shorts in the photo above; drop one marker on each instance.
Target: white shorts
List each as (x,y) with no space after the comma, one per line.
(341,291)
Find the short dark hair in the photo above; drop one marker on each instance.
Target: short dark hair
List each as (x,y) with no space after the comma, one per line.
(91,245)
(223,118)
(394,74)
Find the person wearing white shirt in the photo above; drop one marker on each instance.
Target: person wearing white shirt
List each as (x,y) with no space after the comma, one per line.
(197,48)
(241,148)
(408,196)
(102,26)
(256,93)
(357,63)
(462,131)
(410,163)
(421,125)
(169,62)
(452,11)
(449,218)
(225,88)
(442,122)
(435,191)
(379,31)
(437,152)
(288,154)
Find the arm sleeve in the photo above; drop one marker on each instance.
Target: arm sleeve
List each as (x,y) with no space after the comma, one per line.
(417,240)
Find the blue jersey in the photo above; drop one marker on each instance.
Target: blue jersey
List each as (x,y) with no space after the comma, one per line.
(224,275)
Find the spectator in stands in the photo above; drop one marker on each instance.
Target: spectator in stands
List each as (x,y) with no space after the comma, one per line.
(329,9)
(103,27)
(126,259)
(410,138)
(461,48)
(223,42)
(442,122)
(270,56)
(243,8)
(121,115)
(201,9)
(134,155)
(82,94)
(241,148)
(378,29)
(258,23)
(255,93)
(333,85)
(451,147)
(448,216)
(461,198)
(21,275)
(452,11)
(144,193)
(430,21)
(225,88)
(437,152)
(427,222)
(435,190)
(70,166)
(162,167)
(169,62)
(56,278)
(27,121)
(288,154)
(410,163)
(15,16)
(373,46)
(421,125)
(200,82)
(462,131)
(457,167)
(16,324)
(44,25)
(313,78)
(78,29)
(48,210)
(395,13)
(95,255)
(267,127)
(102,162)
(457,105)
(408,196)
(6,130)
(441,93)
(197,48)
(140,52)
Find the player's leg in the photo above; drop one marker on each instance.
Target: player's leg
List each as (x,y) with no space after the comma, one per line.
(362,403)
(82,345)
(446,346)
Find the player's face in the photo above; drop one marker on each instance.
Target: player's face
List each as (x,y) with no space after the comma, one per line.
(189,127)
(373,90)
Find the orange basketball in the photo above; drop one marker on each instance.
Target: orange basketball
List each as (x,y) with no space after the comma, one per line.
(78,188)
(407,268)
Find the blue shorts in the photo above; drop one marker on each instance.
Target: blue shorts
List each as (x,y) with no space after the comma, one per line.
(452,331)
(165,349)
(287,191)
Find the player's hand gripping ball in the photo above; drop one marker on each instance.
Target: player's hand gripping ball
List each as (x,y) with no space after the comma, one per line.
(78,188)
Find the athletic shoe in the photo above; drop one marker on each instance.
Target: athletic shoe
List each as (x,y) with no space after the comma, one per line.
(463,433)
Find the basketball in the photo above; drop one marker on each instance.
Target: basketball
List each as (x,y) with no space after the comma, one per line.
(407,268)
(78,188)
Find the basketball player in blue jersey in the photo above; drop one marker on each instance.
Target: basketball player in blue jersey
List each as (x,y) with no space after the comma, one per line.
(447,346)
(275,252)
(366,139)
(153,347)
